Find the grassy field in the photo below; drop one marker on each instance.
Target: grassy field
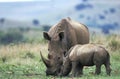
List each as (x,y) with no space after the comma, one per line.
(22,61)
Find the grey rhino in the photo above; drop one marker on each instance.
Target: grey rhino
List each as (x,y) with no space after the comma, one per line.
(85,55)
(61,37)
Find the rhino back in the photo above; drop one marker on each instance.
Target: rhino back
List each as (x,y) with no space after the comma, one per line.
(88,54)
(74,32)
(83,53)
(81,32)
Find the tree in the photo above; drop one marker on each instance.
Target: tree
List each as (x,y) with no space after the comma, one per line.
(2,20)
(36,22)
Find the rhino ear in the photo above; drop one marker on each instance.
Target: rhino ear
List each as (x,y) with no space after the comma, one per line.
(61,35)
(46,36)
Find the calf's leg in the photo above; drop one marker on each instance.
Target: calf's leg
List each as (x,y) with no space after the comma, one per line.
(77,69)
(74,68)
(98,69)
(108,69)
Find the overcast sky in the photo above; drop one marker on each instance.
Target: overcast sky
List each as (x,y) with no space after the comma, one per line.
(21,0)
(44,10)
(27,9)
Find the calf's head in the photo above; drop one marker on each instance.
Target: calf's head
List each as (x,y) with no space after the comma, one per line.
(66,67)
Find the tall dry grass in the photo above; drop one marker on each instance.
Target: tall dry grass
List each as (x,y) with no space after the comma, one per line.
(21,53)
(111,42)
(24,52)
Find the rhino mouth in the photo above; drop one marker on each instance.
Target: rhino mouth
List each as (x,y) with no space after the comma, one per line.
(55,73)
(49,73)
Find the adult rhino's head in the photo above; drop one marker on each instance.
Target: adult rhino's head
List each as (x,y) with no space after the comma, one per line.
(56,48)
(53,68)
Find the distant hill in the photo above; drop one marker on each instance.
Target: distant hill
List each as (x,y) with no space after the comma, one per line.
(7,23)
(96,14)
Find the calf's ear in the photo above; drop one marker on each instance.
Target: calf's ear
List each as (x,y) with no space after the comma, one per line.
(61,35)
(46,36)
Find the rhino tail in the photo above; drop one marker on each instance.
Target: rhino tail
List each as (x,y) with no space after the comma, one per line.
(108,57)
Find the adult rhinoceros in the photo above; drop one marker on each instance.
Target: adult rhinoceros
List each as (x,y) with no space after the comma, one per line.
(61,37)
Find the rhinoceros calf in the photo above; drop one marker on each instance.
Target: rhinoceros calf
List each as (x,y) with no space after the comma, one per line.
(85,55)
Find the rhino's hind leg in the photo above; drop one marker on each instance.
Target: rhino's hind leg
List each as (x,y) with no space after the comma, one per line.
(98,69)
(108,69)
(77,69)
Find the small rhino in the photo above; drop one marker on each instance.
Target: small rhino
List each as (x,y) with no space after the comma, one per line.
(85,55)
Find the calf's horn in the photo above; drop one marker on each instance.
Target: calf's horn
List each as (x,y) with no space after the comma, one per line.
(46,62)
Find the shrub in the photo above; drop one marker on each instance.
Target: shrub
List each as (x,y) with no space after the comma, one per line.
(29,55)
(114,42)
(46,27)
(1,35)
(11,37)
(3,59)
(24,29)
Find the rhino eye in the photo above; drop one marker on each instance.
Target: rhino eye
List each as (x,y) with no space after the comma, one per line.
(48,49)
(49,56)
(59,58)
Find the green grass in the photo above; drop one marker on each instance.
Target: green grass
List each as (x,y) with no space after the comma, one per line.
(22,61)
(13,71)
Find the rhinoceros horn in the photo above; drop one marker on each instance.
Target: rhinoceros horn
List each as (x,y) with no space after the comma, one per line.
(46,62)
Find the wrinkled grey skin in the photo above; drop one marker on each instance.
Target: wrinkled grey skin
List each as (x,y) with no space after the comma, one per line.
(61,37)
(50,70)
(85,55)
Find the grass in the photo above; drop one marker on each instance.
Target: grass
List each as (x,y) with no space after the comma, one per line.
(22,61)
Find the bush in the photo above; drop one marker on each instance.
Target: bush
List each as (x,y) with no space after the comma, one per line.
(24,29)
(11,37)
(29,55)
(114,42)
(3,59)
(1,35)
(46,27)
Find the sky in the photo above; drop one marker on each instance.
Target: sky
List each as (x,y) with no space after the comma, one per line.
(32,9)
(51,10)
(20,0)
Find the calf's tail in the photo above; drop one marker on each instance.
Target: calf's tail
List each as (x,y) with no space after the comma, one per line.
(108,59)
